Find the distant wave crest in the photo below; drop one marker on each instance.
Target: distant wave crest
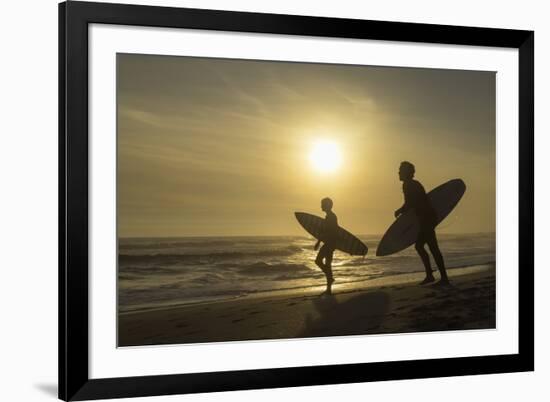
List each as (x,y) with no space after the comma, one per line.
(159,257)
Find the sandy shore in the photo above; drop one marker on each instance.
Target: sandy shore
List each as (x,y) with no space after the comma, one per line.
(386,305)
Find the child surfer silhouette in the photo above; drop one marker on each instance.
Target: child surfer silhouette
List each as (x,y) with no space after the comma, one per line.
(328,237)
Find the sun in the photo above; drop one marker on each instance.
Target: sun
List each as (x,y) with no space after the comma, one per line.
(325,156)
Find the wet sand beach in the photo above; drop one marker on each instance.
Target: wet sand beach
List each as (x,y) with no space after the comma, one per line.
(392,304)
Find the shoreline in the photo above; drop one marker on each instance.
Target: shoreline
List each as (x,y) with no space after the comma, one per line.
(338,287)
(390,304)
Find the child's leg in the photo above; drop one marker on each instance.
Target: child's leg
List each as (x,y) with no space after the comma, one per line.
(328,265)
(328,270)
(320,257)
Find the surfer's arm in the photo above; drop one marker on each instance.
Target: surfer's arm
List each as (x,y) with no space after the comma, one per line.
(331,229)
(407,204)
(317,245)
(401,210)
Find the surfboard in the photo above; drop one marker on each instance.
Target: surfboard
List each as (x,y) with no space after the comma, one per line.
(404,230)
(346,242)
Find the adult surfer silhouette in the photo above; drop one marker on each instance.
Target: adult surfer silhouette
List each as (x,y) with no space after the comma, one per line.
(417,200)
(329,238)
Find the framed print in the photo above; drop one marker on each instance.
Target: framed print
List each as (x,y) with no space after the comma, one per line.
(257,200)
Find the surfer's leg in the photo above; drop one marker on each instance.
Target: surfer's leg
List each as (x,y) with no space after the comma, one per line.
(320,257)
(323,260)
(438,257)
(328,270)
(419,246)
(328,265)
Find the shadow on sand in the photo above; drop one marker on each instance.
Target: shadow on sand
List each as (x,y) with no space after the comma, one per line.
(358,315)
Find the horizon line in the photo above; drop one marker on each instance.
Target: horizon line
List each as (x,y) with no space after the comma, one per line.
(281,235)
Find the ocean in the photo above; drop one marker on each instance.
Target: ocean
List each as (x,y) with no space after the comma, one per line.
(161,272)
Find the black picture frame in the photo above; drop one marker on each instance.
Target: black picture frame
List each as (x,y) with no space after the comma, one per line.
(74,381)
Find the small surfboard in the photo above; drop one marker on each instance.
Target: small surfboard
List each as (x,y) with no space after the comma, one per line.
(404,231)
(347,242)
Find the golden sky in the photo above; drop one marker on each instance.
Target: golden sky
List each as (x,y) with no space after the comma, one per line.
(212,147)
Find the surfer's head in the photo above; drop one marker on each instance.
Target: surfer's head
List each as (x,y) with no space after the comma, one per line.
(326,204)
(406,171)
